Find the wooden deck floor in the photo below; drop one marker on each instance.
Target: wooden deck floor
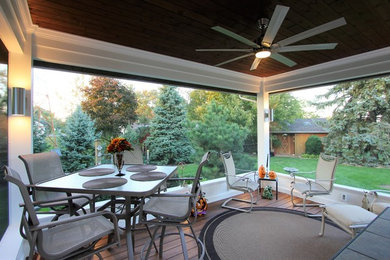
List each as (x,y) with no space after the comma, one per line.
(172,248)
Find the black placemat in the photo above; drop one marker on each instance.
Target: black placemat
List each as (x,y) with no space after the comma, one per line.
(104,183)
(141,168)
(148,176)
(97,172)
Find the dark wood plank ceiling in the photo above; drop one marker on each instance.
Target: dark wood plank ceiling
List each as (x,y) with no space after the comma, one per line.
(177,28)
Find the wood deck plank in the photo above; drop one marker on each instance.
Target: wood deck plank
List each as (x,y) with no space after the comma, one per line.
(172,247)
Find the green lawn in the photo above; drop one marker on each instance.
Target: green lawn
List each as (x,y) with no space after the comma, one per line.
(359,177)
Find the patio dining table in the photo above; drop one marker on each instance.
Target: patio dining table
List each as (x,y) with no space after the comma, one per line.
(75,183)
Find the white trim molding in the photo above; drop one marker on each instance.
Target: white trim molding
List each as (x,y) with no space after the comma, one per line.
(15,23)
(62,48)
(358,66)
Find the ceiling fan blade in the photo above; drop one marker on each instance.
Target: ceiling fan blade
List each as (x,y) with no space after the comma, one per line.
(316,30)
(255,63)
(274,24)
(283,59)
(240,50)
(237,58)
(308,47)
(235,36)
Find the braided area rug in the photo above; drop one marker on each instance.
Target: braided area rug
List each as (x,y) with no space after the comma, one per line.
(270,233)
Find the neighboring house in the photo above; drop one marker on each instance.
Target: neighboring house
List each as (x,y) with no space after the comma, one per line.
(294,137)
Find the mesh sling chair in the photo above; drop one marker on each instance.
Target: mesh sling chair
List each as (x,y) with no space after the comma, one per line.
(321,185)
(47,166)
(170,209)
(246,183)
(69,238)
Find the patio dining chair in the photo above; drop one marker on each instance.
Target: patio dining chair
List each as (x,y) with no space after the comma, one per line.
(70,238)
(246,183)
(321,185)
(172,209)
(42,167)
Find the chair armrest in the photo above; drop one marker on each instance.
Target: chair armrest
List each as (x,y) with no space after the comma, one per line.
(173,195)
(315,181)
(77,218)
(292,174)
(37,203)
(243,178)
(182,179)
(326,179)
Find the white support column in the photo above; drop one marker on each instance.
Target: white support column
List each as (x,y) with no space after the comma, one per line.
(263,147)
(19,127)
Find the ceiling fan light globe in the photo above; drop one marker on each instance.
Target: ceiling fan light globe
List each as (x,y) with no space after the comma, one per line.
(263,54)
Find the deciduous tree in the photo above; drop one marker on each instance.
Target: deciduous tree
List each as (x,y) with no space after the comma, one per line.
(286,109)
(110,104)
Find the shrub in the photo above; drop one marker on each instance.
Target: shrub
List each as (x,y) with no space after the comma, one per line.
(309,156)
(313,145)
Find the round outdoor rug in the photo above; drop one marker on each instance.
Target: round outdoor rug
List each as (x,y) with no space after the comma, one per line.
(141,168)
(270,233)
(96,172)
(104,183)
(148,176)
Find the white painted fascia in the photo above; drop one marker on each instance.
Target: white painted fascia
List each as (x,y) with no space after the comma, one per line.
(63,48)
(15,24)
(362,65)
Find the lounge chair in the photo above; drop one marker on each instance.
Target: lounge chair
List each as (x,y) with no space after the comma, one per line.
(246,183)
(321,185)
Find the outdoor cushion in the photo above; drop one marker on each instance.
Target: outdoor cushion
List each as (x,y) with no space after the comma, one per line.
(378,207)
(350,214)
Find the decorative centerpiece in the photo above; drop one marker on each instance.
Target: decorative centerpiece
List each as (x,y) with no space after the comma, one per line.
(267,193)
(272,175)
(262,172)
(117,146)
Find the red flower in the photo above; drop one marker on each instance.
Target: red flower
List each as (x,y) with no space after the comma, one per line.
(119,144)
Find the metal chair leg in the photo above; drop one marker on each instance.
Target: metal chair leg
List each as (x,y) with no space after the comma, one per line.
(183,242)
(224,205)
(304,204)
(162,234)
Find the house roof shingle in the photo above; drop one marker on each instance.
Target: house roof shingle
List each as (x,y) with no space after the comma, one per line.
(306,125)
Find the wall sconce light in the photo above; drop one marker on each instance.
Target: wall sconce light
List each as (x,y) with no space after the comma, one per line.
(269,115)
(18,102)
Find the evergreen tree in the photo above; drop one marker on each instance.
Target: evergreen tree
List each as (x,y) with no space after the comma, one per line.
(168,142)
(359,130)
(216,132)
(39,137)
(77,142)
(237,110)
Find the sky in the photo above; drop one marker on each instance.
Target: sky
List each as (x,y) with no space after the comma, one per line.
(311,95)
(58,91)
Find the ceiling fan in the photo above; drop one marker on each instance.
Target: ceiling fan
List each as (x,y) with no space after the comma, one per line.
(264,47)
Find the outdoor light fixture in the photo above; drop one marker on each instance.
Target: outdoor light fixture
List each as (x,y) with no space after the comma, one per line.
(269,115)
(18,102)
(263,53)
